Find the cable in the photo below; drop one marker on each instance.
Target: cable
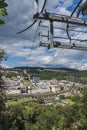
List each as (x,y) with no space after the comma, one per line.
(71,16)
(43,6)
(34,38)
(67,34)
(54,57)
(78,13)
(61,28)
(76,7)
(46,5)
(27,27)
(34,20)
(67,31)
(57,56)
(80,32)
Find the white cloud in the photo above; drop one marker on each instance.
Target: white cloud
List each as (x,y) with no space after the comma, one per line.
(4,65)
(20,15)
(83,67)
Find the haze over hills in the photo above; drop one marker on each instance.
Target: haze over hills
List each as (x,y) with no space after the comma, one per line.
(44,69)
(39,69)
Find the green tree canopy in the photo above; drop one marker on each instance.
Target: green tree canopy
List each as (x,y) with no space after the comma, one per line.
(2,55)
(3,114)
(3,11)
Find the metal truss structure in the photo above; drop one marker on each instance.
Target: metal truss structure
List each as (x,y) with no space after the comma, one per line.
(69,21)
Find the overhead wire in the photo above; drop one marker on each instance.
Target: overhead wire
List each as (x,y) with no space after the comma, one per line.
(57,56)
(34,38)
(39,24)
(27,27)
(64,51)
(67,28)
(79,33)
(74,26)
(77,16)
(34,20)
(68,24)
(61,52)
(40,30)
(67,33)
(76,7)
(54,57)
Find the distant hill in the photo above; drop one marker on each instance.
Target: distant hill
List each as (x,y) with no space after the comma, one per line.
(33,69)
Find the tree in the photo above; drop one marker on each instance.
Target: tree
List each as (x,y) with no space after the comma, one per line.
(83,112)
(2,104)
(2,57)
(3,11)
(40,100)
(17,118)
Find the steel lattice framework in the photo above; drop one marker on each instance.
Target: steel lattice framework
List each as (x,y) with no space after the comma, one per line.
(81,8)
(68,20)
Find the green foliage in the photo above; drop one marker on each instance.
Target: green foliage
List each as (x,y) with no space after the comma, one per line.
(40,100)
(1,21)
(3,4)
(17,119)
(3,11)
(62,97)
(2,104)
(3,113)
(81,75)
(26,116)
(2,55)
(1,80)
(83,113)
(29,115)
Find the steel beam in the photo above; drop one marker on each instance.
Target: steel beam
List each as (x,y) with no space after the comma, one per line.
(65,45)
(59,37)
(62,19)
(61,28)
(51,34)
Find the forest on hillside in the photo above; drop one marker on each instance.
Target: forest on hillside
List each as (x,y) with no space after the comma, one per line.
(17,114)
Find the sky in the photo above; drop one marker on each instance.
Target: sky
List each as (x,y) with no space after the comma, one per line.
(23,49)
